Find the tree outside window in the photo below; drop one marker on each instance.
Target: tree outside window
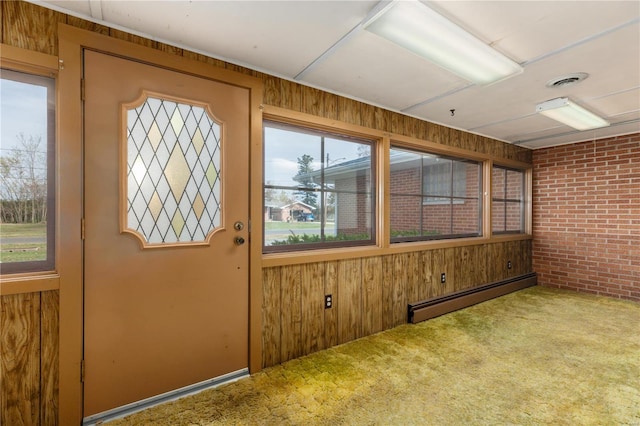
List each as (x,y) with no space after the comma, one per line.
(318,189)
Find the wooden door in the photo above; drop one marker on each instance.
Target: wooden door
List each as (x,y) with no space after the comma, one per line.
(166,272)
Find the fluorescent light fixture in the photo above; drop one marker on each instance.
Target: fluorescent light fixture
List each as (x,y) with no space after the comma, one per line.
(418,28)
(566,112)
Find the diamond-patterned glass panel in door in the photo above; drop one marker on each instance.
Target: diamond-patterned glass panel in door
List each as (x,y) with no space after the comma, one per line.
(173,172)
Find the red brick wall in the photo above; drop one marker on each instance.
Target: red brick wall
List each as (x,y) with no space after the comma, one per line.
(353,210)
(405,210)
(586,216)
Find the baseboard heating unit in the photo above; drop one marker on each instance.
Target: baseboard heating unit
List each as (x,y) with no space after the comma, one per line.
(430,308)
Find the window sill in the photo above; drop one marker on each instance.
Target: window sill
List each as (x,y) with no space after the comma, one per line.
(312,256)
(29,283)
(320,255)
(497,238)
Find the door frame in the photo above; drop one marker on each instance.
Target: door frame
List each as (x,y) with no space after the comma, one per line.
(72,43)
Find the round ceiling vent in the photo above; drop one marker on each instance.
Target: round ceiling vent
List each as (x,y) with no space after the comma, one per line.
(567,80)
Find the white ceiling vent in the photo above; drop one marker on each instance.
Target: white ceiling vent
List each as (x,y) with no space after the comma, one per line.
(567,80)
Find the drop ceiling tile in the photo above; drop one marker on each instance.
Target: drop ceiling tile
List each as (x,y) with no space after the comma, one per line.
(480,107)
(373,69)
(580,137)
(280,36)
(518,129)
(618,103)
(621,125)
(525,30)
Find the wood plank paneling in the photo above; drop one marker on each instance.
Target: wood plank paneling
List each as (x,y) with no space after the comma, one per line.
(428,285)
(86,25)
(414,278)
(437,268)
(271,91)
(204,59)
(121,35)
(50,330)
(519,252)
(497,262)
(290,96)
(456,139)
(368,116)
(399,293)
(371,295)
(312,277)
(271,316)
(349,111)
(30,27)
(527,264)
(291,308)
(240,69)
(349,301)
(387,292)
(331,315)
(465,263)
(382,119)
(20,359)
(312,101)
(396,123)
(331,106)
(170,49)
(450,269)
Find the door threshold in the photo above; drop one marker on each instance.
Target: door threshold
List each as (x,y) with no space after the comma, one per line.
(134,407)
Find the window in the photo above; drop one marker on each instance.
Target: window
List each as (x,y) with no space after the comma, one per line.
(437,180)
(27,203)
(507,196)
(434,197)
(318,189)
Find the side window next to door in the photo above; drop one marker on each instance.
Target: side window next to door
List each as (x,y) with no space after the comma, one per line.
(27,186)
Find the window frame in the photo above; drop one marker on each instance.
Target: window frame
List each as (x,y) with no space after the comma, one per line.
(456,200)
(523,202)
(452,199)
(380,132)
(335,133)
(33,75)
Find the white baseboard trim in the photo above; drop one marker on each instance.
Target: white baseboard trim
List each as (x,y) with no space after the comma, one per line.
(134,407)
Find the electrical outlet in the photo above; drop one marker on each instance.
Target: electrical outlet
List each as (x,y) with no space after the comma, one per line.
(443,278)
(328,301)
(509,265)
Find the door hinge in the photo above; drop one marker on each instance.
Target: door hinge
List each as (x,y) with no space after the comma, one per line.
(82,89)
(82,371)
(82,229)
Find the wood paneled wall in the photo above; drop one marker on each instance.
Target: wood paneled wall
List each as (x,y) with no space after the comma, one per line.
(370,294)
(29,358)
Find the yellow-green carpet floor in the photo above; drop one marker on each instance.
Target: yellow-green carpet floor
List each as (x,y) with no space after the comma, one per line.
(539,356)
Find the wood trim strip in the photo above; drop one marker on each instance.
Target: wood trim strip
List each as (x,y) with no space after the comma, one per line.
(29,284)
(27,60)
(324,255)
